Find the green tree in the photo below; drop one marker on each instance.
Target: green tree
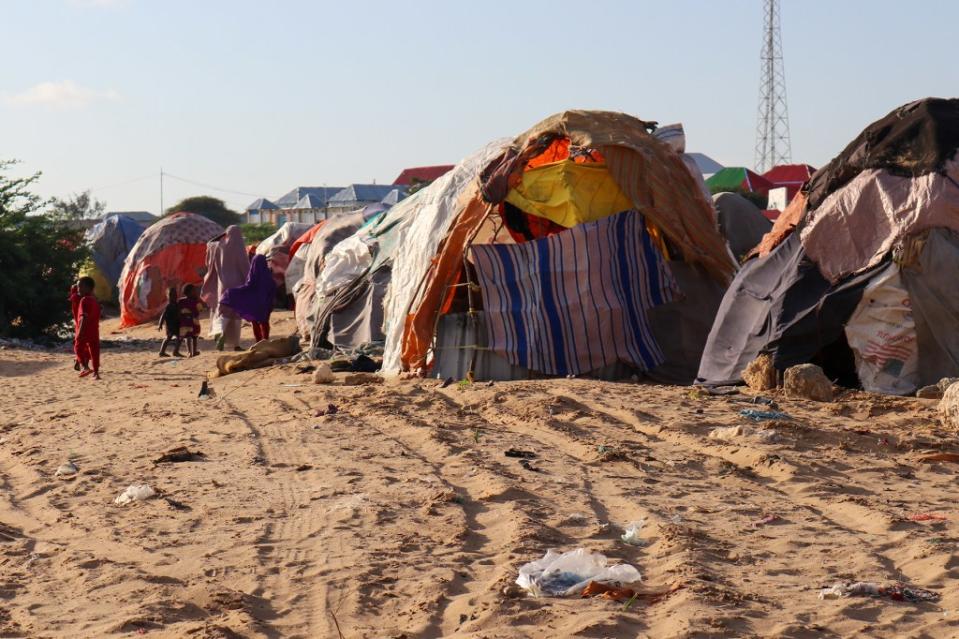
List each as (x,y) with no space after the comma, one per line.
(211,208)
(39,259)
(80,206)
(256,233)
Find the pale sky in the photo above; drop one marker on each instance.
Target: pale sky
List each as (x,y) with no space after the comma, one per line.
(257,97)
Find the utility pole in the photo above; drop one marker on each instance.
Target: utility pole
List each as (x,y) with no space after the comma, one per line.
(772,122)
(161,192)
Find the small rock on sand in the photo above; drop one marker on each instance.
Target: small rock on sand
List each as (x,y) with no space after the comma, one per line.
(68,470)
(360,379)
(937,390)
(949,407)
(323,374)
(760,374)
(807,381)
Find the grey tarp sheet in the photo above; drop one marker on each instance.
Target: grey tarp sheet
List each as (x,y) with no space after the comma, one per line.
(680,327)
(360,321)
(778,304)
(933,286)
(741,223)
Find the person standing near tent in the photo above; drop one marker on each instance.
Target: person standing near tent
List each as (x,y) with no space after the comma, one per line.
(88,328)
(227,265)
(190,307)
(254,300)
(75,310)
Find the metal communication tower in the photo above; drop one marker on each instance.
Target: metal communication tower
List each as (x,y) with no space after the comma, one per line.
(772,121)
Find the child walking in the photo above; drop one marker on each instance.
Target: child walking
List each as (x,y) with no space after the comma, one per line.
(75,310)
(171,321)
(189,306)
(87,342)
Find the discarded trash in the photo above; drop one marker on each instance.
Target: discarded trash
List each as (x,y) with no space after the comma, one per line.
(896,591)
(732,433)
(525,463)
(68,470)
(363,364)
(762,415)
(940,457)
(718,391)
(559,574)
(927,517)
(447,382)
(521,454)
(205,391)
(759,399)
(330,409)
(605,591)
(631,534)
(292,385)
(323,374)
(767,519)
(135,492)
(178,455)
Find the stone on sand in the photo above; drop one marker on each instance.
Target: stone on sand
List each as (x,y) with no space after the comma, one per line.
(949,406)
(937,390)
(323,374)
(807,381)
(760,374)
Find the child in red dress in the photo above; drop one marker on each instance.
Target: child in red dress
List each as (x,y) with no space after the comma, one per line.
(87,342)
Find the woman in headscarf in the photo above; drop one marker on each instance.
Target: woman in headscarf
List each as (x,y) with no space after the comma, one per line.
(226,267)
(254,300)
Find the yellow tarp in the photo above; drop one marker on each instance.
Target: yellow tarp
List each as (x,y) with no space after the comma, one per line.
(569,193)
(102,289)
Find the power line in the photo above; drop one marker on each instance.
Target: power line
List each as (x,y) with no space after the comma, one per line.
(119,184)
(209,186)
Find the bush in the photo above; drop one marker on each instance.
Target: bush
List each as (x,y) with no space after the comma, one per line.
(211,208)
(256,233)
(39,259)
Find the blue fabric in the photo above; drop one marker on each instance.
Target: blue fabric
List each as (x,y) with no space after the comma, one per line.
(110,242)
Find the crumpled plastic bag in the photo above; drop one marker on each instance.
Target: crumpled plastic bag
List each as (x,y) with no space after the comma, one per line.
(631,533)
(560,574)
(135,492)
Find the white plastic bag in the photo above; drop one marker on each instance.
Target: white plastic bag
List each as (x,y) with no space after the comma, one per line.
(568,573)
(136,492)
(882,335)
(631,534)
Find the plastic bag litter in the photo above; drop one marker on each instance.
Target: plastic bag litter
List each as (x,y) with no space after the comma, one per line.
(732,433)
(631,534)
(762,415)
(135,492)
(559,574)
(895,591)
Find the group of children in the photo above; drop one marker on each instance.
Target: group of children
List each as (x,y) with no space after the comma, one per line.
(181,318)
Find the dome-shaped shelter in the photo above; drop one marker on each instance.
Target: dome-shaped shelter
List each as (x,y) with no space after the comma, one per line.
(171,252)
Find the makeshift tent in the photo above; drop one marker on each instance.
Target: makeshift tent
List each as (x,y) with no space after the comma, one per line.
(276,249)
(858,273)
(171,252)
(297,265)
(557,188)
(110,241)
(792,177)
(388,257)
(741,223)
(738,178)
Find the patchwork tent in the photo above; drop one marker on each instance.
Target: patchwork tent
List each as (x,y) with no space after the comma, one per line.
(110,241)
(276,249)
(741,223)
(171,252)
(738,178)
(857,274)
(585,201)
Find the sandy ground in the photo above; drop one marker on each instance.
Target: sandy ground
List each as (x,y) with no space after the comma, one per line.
(400,516)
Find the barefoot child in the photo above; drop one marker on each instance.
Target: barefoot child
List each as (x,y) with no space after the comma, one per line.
(189,306)
(88,328)
(171,320)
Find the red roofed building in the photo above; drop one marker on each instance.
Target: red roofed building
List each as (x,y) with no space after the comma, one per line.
(421,174)
(791,176)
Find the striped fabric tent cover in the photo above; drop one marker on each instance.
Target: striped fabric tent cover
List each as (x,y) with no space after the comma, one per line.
(576,301)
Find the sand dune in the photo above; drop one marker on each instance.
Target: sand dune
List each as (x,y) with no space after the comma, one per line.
(400,515)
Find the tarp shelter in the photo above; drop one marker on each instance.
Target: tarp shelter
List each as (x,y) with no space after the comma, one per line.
(741,223)
(790,176)
(171,252)
(110,241)
(568,175)
(858,274)
(738,178)
(276,249)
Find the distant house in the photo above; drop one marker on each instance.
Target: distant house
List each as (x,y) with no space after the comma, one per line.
(143,218)
(259,211)
(356,196)
(790,176)
(323,193)
(410,176)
